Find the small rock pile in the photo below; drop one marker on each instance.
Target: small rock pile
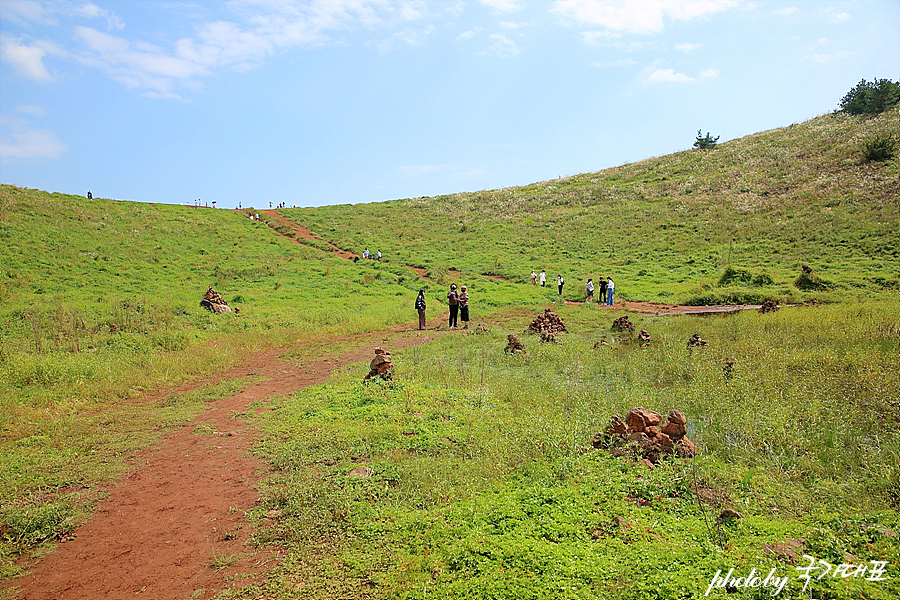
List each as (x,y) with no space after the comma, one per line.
(641,433)
(768,306)
(622,324)
(214,302)
(514,346)
(547,322)
(694,341)
(644,337)
(381,365)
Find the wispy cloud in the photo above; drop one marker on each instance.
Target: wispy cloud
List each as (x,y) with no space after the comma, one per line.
(19,139)
(824,59)
(511,25)
(637,16)
(654,75)
(687,47)
(503,5)
(502,46)
(841,18)
(787,10)
(28,59)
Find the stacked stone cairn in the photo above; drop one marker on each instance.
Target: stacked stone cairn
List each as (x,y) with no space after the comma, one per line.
(641,435)
(214,302)
(623,324)
(644,337)
(694,341)
(514,346)
(381,365)
(768,306)
(547,325)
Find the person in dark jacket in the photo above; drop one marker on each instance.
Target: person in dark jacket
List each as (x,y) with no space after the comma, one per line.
(420,307)
(453,302)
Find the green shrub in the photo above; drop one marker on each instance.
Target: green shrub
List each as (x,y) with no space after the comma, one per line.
(881,147)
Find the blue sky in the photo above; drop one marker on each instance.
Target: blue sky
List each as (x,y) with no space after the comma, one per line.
(343,101)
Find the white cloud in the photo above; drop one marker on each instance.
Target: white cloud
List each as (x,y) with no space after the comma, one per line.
(787,10)
(841,18)
(29,109)
(653,75)
(637,16)
(27,60)
(511,25)
(668,76)
(25,12)
(824,59)
(21,140)
(502,46)
(503,5)
(687,47)
(466,35)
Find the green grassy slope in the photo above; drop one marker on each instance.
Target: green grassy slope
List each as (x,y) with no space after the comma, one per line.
(665,228)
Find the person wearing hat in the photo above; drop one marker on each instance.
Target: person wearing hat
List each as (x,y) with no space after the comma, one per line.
(453,302)
(464,307)
(420,307)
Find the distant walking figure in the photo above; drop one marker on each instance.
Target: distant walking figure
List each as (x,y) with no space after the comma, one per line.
(90,196)
(559,282)
(610,289)
(589,290)
(533,278)
(601,296)
(453,302)
(420,308)
(379,256)
(543,278)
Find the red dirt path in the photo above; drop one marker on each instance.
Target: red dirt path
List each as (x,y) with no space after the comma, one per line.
(180,512)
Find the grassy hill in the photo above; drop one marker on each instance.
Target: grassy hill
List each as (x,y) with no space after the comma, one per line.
(667,228)
(484,483)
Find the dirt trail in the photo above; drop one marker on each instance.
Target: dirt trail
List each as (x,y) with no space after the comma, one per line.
(174,527)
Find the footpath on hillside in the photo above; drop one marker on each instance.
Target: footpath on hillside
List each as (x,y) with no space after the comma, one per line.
(636,306)
(175,526)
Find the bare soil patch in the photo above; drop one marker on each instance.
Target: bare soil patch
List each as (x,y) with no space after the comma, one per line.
(175,526)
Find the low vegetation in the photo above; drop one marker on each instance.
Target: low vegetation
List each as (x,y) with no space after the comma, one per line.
(479,478)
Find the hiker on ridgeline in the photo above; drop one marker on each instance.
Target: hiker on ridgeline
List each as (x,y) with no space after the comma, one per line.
(543,278)
(90,196)
(453,302)
(601,295)
(559,282)
(420,308)
(610,289)
(589,290)
(533,277)
(464,307)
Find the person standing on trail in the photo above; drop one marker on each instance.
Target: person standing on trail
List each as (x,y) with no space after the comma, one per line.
(559,282)
(420,307)
(543,278)
(366,254)
(589,290)
(464,307)
(610,289)
(601,295)
(379,256)
(453,302)
(533,277)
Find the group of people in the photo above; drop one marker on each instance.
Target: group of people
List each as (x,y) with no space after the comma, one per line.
(372,255)
(457,300)
(607,287)
(607,290)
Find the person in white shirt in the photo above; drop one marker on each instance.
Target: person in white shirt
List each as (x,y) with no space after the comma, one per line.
(543,278)
(610,288)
